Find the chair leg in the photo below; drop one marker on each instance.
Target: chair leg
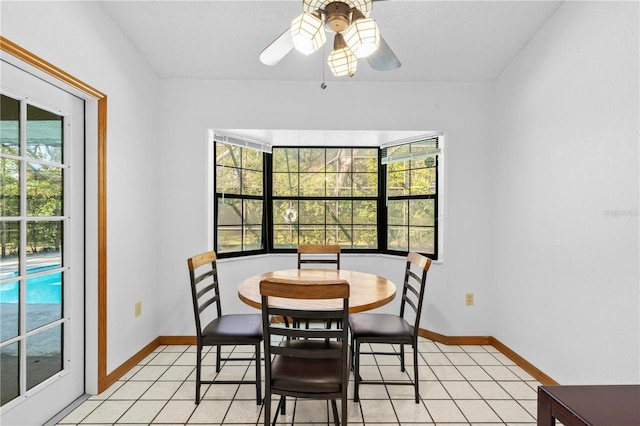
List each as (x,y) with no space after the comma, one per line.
(283,405)
(198,370)
(356,372)
(334,407)
(402,358)
(218,358)
(258,378)
(267,407)
(415,373)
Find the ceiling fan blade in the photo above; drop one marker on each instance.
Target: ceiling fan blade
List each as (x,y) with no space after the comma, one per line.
(383,59)
(278,49)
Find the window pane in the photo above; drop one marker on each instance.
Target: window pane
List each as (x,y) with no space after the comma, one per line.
(312,234)
(229,239)
(338,184)
(365,184)
(229,211)
(339,211)
(44,135)
(228,155)
(421,212)
(365,236)
(285,184)
(9,127)
(44,355)
(312,212)
(285,160)
(397,238)
(251,182)
(421,240)
(252,159)
(365,212)
(365,160)
(10,187)
(285,236)
(44,242)
(44,300)
(10,370)
(252,237)
(397,212)
(423,181)
(227,180)
(253,212)
(285,211)
(312,185)
(44,190)
(398,183)
(339,160)
(312,160)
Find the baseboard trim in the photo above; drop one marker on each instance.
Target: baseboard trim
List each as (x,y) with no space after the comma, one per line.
(116,374)
(536,373)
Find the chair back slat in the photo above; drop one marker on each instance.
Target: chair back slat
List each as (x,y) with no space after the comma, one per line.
(414,287)
(205,292)
(320,254)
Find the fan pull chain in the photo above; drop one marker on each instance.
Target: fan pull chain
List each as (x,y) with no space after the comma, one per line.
(323,85)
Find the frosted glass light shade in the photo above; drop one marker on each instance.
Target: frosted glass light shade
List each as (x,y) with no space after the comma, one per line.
(307,33)
(342,61)
(363,37)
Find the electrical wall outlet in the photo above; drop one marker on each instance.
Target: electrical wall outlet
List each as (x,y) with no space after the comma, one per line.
(468,298)
(138,309)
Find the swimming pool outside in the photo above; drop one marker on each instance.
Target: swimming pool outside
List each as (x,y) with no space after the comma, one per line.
(42,289)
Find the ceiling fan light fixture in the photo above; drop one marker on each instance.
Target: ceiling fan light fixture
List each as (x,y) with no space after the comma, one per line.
(362,36)
(342,61)
(307,33)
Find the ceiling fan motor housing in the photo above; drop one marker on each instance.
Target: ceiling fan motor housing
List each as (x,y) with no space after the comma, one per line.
(337,16)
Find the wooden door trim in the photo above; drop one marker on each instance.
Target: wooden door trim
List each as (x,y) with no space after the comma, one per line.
(24,55)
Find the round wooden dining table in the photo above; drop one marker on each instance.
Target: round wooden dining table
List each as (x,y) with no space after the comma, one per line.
(367,291)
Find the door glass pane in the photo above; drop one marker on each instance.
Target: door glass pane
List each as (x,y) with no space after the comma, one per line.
(44,135)
(9,187)
(9,310)
(9,126)
(9,243)
(44,300)
(44,190)
(9,371)
(44,355)
(44,245)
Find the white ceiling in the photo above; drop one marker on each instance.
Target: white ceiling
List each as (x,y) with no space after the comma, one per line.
(442,41)
(436,41)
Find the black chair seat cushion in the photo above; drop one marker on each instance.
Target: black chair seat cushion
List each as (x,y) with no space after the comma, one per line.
(383,328)
(234,329)
(308,375)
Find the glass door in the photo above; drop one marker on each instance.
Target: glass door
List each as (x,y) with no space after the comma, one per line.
(41,248)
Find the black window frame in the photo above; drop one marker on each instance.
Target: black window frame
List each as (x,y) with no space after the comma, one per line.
(381,200)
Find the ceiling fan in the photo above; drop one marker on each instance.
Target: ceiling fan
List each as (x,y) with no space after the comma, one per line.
(356,36)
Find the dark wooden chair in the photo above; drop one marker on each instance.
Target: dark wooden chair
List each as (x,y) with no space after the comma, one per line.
(393,329)
(305,362)
(222,330)
(318,254)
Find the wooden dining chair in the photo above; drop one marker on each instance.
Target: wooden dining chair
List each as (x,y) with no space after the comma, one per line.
(393,329)
(215,329)
(319,254)
(305,362)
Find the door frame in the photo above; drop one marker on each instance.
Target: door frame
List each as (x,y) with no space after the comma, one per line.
(7,46)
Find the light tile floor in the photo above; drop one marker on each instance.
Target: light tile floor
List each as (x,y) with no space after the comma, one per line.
(459,385)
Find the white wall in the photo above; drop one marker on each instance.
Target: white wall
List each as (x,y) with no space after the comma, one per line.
(81,39)
(565,179)
(189,108)
(554,272)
